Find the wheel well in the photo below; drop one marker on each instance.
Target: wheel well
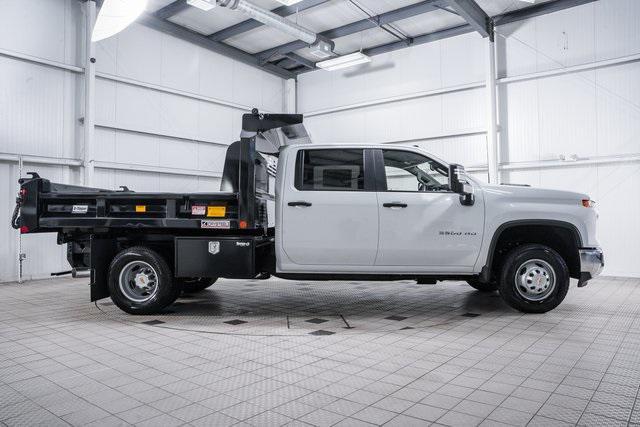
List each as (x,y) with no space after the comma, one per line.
(562,239)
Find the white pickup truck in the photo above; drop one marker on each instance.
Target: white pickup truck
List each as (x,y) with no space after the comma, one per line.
(342,212)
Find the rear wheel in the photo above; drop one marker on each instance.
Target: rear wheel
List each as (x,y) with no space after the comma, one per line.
(141,282)
(195,284)
(483,287)
(535,279)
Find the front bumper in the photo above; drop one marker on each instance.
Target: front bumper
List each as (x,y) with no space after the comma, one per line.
(591,264)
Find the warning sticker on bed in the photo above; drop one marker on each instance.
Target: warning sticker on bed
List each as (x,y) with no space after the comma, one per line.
(80,209)
(215,224)
(198,210)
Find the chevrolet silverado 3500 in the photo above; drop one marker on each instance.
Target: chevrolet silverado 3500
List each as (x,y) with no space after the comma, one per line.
(342,212)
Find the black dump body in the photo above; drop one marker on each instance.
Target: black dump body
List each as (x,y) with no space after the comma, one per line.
(101,222)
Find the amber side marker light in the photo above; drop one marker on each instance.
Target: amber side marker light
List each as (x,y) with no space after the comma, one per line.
(217,211)
(141,208)
(588,203)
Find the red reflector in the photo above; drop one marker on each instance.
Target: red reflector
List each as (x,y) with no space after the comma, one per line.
(587,203)
(23,192)
(24,229)
(243,224)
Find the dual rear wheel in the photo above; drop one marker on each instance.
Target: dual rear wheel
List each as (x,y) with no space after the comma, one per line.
(533,279)
(141,281)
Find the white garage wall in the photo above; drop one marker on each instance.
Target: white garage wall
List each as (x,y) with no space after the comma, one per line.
(165,111)
(592,115)
(165,103)
(430,95)
(547,109)
(39,105)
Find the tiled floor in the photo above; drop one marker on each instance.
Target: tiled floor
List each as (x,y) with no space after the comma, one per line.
(338,353)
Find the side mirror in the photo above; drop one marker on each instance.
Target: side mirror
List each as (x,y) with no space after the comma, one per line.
(458,183)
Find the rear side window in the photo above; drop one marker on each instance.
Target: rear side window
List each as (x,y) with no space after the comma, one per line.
(330,170)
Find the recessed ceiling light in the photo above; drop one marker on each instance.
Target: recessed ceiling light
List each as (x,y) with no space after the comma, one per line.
(115,16)
(344,61)
(202,4)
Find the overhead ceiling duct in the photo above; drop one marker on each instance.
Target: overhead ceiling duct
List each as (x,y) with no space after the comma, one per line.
(321,47)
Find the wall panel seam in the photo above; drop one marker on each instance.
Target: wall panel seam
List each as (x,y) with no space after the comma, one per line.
(158,134)
(41,61)
(163,170)
(572,69)
(393,99)
(171,91)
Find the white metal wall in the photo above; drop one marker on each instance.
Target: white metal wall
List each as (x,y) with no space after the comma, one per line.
(569,87)
(165,110)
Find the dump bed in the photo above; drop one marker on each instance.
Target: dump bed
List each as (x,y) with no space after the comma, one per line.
(76,212)
(48,207)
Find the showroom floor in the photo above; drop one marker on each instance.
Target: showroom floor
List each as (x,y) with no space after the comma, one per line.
(338,353)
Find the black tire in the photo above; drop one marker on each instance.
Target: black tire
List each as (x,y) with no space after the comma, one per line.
(128,295)
(532,262)
(491,286)
(194,285)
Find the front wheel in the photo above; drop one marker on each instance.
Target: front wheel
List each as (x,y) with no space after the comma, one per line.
(196,284)
(141,282)
(534,279)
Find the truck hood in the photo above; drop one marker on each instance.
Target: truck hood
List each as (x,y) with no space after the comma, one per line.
(534,194)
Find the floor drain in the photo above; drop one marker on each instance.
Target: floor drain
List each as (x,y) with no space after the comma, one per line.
(153,322)
(235,322)
(471,315)
(316,321)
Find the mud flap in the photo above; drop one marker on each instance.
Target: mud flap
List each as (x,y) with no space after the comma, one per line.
(102,252)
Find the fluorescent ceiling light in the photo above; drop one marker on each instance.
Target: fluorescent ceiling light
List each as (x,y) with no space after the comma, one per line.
(115,16)
(289,2)
(344,61)
(202,4)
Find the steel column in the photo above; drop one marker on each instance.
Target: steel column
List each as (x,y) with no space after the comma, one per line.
(492,112)
(89,94)
(290,96)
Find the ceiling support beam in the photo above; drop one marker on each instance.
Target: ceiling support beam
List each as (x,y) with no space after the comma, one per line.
(196,38)
(251,24)
(415,41)
(474,15)
(293,60)
(358,26)
(418,40)
(537,10)
(172,9)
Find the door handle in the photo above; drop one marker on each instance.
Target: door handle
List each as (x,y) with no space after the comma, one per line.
(395,205)
(300,204)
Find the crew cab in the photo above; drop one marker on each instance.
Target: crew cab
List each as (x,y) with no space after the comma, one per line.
(342,212)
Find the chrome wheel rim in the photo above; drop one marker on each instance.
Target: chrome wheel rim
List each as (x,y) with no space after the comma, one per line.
(138,281)
(535,280)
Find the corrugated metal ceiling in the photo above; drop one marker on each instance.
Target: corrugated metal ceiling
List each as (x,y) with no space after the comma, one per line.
(333,14)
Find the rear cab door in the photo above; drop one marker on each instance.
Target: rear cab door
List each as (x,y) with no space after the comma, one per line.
(327,210)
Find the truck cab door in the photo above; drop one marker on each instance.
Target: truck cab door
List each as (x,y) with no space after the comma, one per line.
(423,225)
(327,211)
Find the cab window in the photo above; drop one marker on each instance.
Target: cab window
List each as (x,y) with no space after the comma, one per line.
(330,170)
(412,172)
